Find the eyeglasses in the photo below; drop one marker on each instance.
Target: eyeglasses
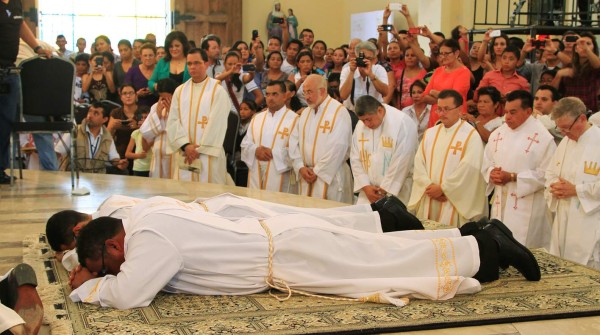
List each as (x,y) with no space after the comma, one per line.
(102,272)
(445,109)
(128,93)
(568,130)
(444,54)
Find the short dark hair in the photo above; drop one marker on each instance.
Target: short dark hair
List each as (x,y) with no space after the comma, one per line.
(279,83)
(60,36)
(306,30)
(450,43)
(59,228)
(418,83)
(440,34)
(82,57)
(251,104)
(141,40)
(202,53)
(302,54)
(297,42)
(275,37)
(552,89)
(109,55)
(458,99)
(512,49)
(516,41)
(176,36)
(166,85)
(524,96)
(366,104)
(491,92)
(93,236)
(208,38)
(106,108)
(124,42)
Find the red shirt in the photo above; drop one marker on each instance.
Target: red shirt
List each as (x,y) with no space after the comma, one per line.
(503,84)
(458,80)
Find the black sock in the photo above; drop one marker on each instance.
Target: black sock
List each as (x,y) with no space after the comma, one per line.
(488,257)
(388,221)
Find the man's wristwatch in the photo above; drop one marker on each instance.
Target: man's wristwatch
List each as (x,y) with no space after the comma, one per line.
(36,49)
(183,147)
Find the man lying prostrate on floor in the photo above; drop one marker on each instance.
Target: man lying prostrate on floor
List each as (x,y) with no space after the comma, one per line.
(179,248)
(386,215)
(63,227)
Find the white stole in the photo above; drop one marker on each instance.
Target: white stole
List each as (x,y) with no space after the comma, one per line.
(154,130)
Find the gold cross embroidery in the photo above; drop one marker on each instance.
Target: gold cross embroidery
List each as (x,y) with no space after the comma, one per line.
(325,127)
(456,148)
(204,121)
(285,132)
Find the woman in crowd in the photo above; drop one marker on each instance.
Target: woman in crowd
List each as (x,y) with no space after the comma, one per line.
(419,111)
(122,120)
(174,64)
(486,119)
(236,83)
(160,53)
(139,75)
(319,48)
(99,83)
(127,62)
(459,34)
(411,73)
(451,74)
(338,59)
(492,60)
(304,68)
(582,79)
(292,102)
(255,56)
(476,66)
(273,71)
(102,44)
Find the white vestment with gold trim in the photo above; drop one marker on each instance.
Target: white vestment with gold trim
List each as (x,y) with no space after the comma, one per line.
(271,130)
(384,156)
(321,140)
(525,151)
(449,157)
(310,254)
(576,227)
(199,114)
(154,129)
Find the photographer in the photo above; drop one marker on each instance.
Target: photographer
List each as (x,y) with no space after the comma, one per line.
(362,76)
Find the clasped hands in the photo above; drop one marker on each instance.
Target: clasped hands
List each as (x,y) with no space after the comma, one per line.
(563,189)
(80,275)
(435,192)
(308,174)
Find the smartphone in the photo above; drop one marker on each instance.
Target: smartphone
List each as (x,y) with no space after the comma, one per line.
(248,67)
(278,20)
(414,30)
(125,122)
(254,34)
(99,61)
(571,38)
(395,6)
(495,33)
(387,27)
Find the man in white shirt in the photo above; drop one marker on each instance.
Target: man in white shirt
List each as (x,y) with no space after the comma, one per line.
(95,146)
(573,186)
(546,97)
(363,76)
(127,262)
(289,63)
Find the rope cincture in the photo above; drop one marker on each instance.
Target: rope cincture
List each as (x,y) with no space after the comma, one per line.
(282,285)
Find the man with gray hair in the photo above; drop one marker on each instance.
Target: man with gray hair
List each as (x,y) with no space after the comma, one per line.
(363,76)
(573,186)
(383,149)
(320,145)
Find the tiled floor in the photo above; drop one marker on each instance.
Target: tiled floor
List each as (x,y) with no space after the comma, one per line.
(25,208)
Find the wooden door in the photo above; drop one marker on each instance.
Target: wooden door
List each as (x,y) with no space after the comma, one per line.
(197,18)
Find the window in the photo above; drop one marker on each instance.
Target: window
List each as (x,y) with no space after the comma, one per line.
(117,19)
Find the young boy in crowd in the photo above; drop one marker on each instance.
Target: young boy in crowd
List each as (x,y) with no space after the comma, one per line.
(135,149)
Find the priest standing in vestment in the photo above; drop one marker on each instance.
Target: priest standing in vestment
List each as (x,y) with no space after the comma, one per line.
(383,150)
(127,262)
(197,124)
(320,145)
(514,164)
(447,185)
(573,186)
(154,131)
(265,146)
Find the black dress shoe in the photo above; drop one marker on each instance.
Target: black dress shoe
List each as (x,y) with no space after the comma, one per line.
(473,227)
(377,205)
(5,179)
(405,220)
(512,252)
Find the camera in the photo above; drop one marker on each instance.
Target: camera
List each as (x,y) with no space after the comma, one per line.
(360,60)
(414,31)
(248,67)
(538,44)
(99,61)
(278,20)
(571,38)
(254,34)
(387,27)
